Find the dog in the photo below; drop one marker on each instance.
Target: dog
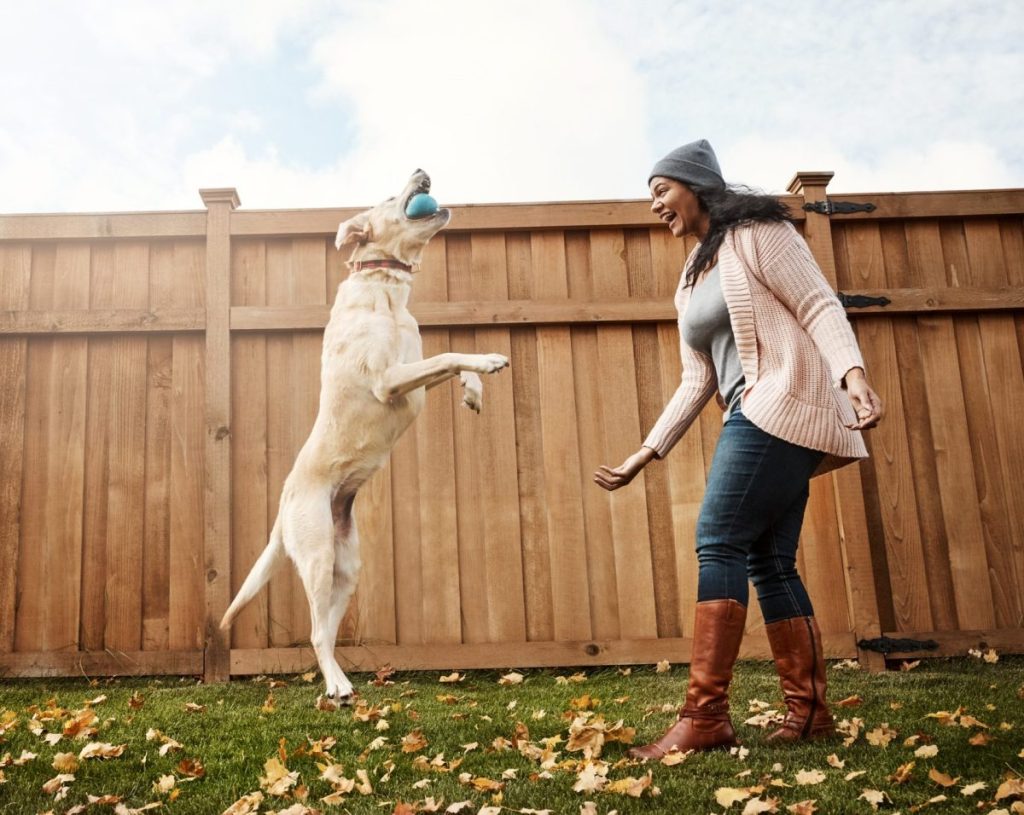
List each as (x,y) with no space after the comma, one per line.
(373,380)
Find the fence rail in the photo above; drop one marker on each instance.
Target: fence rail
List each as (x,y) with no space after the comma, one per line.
(158,372)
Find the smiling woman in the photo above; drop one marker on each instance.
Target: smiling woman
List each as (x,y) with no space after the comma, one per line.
(760,327)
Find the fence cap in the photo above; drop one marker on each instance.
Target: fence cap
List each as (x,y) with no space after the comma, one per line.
(221,195)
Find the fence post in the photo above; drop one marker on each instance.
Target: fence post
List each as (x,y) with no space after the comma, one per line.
(849,491)
(217,492)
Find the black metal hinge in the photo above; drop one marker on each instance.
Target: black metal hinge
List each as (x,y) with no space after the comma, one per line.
(861,300)
(828,207)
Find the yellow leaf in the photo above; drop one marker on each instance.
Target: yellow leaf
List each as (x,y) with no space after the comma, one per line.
(512,678)
(834,761)
(808,777)
(277,779)
(902,774)
(268,704)
(662,667)
(633,787)
(881,736)
(164,784)
(942,779)
(65,763)
(1013,788)
(674,757)
(454,676)
(246,805)
(97,749)
(803,807)
(727,796)
(413,742)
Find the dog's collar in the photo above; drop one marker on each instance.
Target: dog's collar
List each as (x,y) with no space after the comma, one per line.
(380,263)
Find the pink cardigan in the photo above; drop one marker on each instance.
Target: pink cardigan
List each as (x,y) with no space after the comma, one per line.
(794,342)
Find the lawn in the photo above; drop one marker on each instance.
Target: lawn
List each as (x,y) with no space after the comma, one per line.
(946,737)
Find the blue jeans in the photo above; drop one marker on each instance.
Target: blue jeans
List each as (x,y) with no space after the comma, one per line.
(750,519)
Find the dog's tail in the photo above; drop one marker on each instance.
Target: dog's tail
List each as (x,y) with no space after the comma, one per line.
(269,561)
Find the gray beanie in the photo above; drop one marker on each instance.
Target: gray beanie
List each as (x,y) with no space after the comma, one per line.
(693,163)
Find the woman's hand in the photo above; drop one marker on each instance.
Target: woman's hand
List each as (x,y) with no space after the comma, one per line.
(611,478)
(866,403)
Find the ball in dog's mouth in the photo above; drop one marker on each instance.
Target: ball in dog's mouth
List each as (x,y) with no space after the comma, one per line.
(420,206)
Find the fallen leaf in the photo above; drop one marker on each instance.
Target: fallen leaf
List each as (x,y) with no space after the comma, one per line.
(927,751)
(414,742)
(675,756)
(633,787)
(980,739)
(808,777)
(847,665)
(875,797)
(461,805)
(727,796)
(512,678)
(65,763)
(851,701)
(970,789)
(246,805)
(902,774)
(592,778)
(755,806)
(881,736)
(834,761)
(942,779)
(662,667)
(803,807)
(454,676)
(192,707)
(909,666)
(852,775)
(164,784)
(277,779)
(192,768)
(1012,788)
(95,749)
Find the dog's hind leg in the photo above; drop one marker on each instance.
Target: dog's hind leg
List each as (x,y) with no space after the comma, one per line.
(346,568)
(308,522)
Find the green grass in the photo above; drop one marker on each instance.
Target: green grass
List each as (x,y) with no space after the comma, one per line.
(234,736)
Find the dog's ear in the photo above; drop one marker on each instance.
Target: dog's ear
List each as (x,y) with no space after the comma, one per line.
(355,230)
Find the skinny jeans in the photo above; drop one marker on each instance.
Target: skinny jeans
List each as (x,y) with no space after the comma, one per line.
(750,520)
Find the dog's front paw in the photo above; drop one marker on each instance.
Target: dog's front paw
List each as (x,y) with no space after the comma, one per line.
(472,391)
(489,363)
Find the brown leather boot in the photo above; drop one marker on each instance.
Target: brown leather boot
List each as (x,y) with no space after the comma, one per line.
(704,722)
(800,662)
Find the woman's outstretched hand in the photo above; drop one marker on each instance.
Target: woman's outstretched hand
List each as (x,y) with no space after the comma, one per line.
(866,403)
(611,478)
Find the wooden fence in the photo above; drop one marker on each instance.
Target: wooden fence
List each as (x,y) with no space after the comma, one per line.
(159,371)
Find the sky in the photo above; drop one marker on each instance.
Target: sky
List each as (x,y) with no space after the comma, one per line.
(135,105)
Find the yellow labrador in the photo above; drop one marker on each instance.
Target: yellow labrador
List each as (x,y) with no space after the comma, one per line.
(373,380)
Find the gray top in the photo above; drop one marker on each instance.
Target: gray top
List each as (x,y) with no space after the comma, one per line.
(707,329)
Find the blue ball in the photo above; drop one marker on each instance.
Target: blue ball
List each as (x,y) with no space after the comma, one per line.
(420,205)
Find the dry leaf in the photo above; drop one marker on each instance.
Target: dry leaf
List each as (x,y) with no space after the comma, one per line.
(414,742)
(277,779)
(1013,788)
(902,774)
(875,797)
(191,768)
(942,779)
(192,707)
(633,787)
(834,761)
(65,763)
(461,805)
(662,667)
(803,807)
(95,749)
(592,778)
(808,777)
(755,806)
(674,757)
(454,676)
(164,784)
(847,665)
(727,796)
(979,739)
(909,666)
(512,678)
(927,751)
(852,775)
(246,805)
(970,789)
(881,736)
(850,701)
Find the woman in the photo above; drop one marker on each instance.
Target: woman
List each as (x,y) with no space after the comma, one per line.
(760,327)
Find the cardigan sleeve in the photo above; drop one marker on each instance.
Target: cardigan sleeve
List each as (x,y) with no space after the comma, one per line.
(696,387)
(787,267)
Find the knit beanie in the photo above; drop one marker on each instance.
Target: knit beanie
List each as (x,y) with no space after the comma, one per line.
(694,163)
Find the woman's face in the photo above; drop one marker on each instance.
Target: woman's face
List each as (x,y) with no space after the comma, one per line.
(675,204)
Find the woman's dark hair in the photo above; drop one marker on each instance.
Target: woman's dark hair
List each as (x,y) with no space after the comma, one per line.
(729,207)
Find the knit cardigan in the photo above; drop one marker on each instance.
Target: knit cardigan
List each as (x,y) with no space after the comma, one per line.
(794,342)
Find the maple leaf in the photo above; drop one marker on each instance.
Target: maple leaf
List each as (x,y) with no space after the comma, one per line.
(414,742)
(136,701)
(755,806)
(584,702)
(727,796)
(927,751)
(454,676)
(881,736)
(970,789)
(875,797)
(633,787)
(979,739)
(326,704)
(851,701)
(1013,788)
(803,807)
(662,667)
(834,761)
(191,768)
(674,757)
(277,779)
(55,784)
(65,763)
(945,717)
(592,778)
(164,784)
(909,666)
(512,678)
(808,777)
(942,779)
(95,749)
(193,707)
(246,805)
(458,807)
(902,774)
(847,665)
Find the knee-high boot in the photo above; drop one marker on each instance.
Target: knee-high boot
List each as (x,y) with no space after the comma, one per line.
(704,722)
(800,663)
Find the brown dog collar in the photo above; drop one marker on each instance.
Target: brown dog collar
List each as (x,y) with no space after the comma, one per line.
(380,263)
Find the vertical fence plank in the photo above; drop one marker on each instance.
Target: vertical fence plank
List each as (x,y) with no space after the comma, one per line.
(250,524)
(217,492)
(560,448)
(533,526)
(15,266)
(848,487)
